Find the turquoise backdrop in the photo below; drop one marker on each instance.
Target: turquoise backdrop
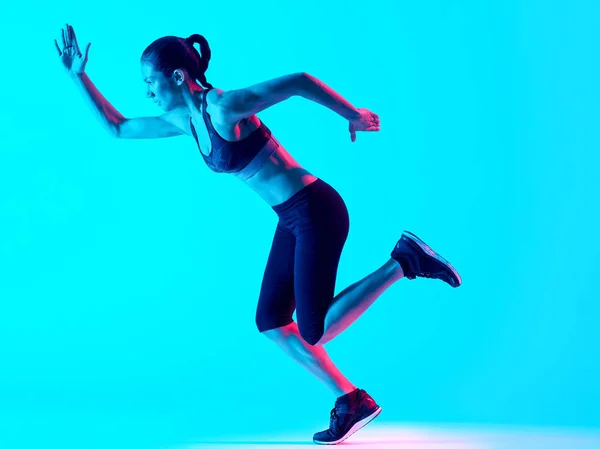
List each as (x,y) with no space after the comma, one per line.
(129,272)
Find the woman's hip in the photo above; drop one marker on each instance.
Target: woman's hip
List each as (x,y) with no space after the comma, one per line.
(318,206)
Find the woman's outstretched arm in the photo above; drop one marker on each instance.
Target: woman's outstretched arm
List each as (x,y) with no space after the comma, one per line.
(105,111)
(235,105)
(316,90)
(74,62)
(120,126)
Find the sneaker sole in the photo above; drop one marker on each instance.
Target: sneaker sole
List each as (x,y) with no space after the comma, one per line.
(359,425)
(427,249)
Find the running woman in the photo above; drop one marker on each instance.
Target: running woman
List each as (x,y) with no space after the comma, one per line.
(313,221)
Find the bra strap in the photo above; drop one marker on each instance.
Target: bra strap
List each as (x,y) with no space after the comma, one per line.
(204,115)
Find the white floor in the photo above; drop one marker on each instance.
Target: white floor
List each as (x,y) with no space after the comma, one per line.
(384,436)
(128,430)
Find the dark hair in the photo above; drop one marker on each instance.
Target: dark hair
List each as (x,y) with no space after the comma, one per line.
(171,52)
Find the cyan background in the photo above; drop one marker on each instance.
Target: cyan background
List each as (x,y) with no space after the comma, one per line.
(129,272)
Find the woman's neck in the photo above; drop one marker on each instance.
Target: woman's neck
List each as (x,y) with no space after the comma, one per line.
(191,95)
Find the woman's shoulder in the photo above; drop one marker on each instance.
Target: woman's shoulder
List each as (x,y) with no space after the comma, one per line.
(213,94)
(213,108)
(212,100)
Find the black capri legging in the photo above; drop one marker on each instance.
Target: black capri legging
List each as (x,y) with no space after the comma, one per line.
(302,265)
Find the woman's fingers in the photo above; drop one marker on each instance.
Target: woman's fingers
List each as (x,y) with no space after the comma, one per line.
(57,47)
(75,41)
(69,35)
(69,40)
(352,130)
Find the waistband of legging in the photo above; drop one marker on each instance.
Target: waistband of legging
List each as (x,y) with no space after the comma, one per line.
(297,197)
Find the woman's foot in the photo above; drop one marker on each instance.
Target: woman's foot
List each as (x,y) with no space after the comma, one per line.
(417,259)
(352,412)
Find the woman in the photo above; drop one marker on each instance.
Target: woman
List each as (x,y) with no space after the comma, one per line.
(313,220)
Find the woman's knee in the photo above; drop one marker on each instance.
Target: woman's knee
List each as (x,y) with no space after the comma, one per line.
(311,334)
(267,320)
(279,332)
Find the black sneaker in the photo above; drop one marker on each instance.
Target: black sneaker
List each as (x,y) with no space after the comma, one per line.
(351,412)
(417,259)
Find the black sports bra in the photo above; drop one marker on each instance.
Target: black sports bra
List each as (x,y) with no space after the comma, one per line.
(231,157)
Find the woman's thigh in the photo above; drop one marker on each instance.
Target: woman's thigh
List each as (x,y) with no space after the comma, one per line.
(318,220)
(317,259)
(276,302)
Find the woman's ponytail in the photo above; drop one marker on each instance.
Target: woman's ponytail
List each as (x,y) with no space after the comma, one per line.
(204,57)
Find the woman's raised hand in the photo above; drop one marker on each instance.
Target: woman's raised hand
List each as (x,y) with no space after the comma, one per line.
(70,54)
(367,121)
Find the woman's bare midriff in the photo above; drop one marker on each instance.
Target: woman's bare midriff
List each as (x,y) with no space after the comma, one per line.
(280,178)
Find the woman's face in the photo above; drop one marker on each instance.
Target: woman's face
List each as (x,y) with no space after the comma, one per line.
(160,89)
